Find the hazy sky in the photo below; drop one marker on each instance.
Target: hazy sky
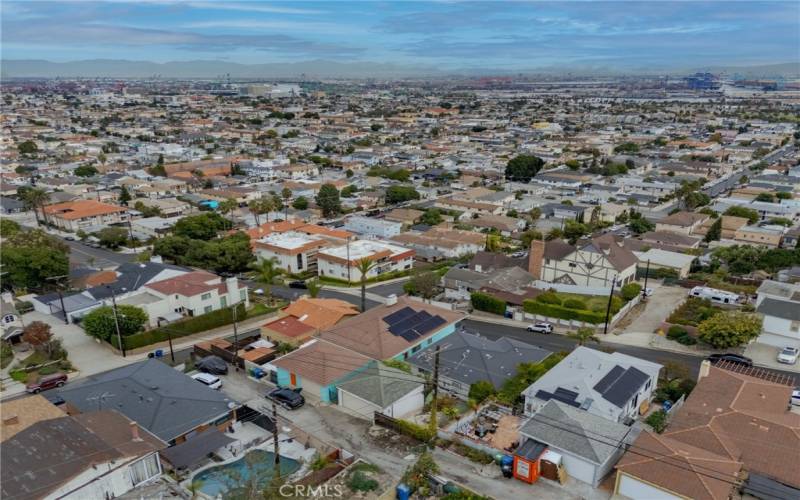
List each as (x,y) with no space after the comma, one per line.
(444,34)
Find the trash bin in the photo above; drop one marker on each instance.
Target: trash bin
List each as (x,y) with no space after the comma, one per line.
(403,491)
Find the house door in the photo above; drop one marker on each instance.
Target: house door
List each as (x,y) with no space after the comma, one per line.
(548,470)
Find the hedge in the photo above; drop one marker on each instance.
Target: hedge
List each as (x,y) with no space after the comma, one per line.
(574,304)
(555,311)
(197,324)
(485,302)
(419,432)
(549,298)
(356,277)
(630,291)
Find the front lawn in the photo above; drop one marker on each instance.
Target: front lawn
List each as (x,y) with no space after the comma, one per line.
(693,312)
(570,306)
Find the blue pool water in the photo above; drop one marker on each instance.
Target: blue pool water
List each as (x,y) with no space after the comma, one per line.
(222,479)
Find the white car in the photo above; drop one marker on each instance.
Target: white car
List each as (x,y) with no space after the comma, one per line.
(208,379)
(648,292)
(796,396)
(541,328)
(788,355)
(258,291)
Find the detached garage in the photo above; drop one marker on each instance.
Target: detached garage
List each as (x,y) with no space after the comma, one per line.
(379,388)
(573,434)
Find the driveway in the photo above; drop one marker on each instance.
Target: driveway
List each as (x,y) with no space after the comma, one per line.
(660,305)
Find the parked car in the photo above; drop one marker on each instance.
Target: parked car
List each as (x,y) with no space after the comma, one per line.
(788,355)
(69,238)
(208,379)
(541,328)
(47,382)
(213,365)
(796,396)
(288,398)
(298,284)
(258,291)
(648,292)
(733,358)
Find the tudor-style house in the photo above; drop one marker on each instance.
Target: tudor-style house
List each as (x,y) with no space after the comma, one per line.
(594,262)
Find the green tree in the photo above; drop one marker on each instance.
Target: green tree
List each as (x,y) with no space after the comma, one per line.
(314,287)
(748,213)
(765,197)
(35,199)
(522,168)
(8,228)
(259,207)
(147,211)
(535,213)
(400,194)
(481,390)
(431,217)
(423,283)
(100,322)
(266,270)
(204,226)
(124,196)
(574,230)
(328,200)
(729,329)
(641,225)
(349,173)
(364,266)
(30,257)
(715,231)
(85,171)
(112,237)
(27,147)
(227,208)
(39,336)
(528,236)
(300,203)
(630,291)
(584,335)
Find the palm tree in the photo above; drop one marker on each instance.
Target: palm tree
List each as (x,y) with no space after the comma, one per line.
(584,335)
(255,209)
(228,206)
(364,266)
(266,271)
(36,198)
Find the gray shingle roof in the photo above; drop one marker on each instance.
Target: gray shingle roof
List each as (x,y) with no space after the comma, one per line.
(780,308)
(469,358)
(380,384)
(575,431)
(164,401)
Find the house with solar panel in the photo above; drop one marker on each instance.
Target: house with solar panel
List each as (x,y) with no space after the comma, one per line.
(614,386)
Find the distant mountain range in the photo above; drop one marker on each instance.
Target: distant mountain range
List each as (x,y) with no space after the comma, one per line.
(116,68)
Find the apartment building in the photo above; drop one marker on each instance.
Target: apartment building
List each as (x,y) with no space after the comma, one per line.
(370,226)
(85,214)
(294,251)
(341,262)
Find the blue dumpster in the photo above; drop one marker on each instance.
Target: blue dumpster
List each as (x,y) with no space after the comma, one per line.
(159,353)
(403,491)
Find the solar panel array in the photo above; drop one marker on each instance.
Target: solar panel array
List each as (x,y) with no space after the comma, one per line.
(620,384)
(410,324)
(563,395)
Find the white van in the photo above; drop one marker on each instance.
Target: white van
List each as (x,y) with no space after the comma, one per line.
(208,379)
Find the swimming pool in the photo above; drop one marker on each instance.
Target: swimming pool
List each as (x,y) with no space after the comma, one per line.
(221,479)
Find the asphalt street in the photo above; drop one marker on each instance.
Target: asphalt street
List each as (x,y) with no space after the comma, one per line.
(96,257)
(731,182)
(555,343)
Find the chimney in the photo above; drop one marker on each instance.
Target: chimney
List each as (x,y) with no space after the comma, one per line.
(10,419)
(535,259)
(705,367)
(135,432)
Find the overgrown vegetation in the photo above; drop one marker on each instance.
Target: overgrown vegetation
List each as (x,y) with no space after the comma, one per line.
(657,420)
(527,373)
(487,303)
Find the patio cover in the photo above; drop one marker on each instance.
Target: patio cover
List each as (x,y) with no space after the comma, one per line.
(193,450)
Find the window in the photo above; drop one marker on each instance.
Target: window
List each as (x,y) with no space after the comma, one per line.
(299,262)
(243,295)
(8,318)
(572,264)
(207,309)
(205,296)
(223,301)
(647,385)
(145,469)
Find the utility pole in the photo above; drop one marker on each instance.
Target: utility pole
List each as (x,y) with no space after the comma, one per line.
(608,308)
(646,274)
(116,320)
(275,440)
(348,260)
(434,403)
(236,340)
(56,279)
(130,232)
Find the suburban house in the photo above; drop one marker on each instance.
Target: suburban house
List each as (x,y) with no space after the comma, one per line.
(396,330)
(779,304)
(730,224)
(757,235)
(597,262)
(682,222)
(465,358)
(615,386)
(86,215)
(294,252)
(505,225)
(306,316)
(442,243)
(405,216)
(382,389)
(100,454)
(572,433)
(190,294)
(167,403)
(316,367)
(667,240)
(736,427)
(342,262)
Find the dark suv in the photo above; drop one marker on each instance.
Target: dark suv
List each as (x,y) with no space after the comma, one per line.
(298,284)
(733,358)
(288,398)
